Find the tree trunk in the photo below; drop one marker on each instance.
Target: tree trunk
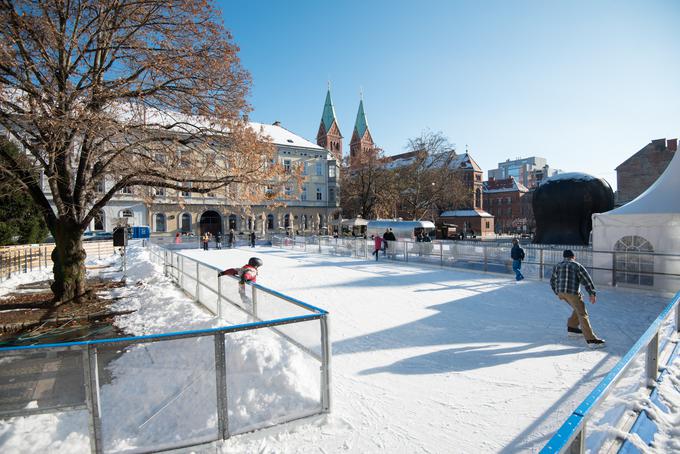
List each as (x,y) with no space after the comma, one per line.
(68,257)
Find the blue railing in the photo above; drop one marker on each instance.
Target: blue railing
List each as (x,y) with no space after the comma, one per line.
(205,371)
(571,436)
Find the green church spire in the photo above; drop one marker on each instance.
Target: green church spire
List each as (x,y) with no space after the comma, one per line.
(361,125)
(328,116)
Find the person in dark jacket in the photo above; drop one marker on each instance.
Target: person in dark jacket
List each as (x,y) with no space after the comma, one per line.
(252,238)
(517,255)
(231,238)
(218,240)
(567,277)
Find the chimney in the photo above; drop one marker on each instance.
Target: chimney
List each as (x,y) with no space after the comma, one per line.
(672,144)
(277,123)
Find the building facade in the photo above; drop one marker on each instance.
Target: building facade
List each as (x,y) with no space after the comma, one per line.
(640,171)
(509,201)
(527,171)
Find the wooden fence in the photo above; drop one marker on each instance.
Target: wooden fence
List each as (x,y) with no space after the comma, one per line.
(28,257)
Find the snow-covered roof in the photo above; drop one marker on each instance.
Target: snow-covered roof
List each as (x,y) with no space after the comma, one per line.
(506,185)
(282,136)
(459,161)
(465,213)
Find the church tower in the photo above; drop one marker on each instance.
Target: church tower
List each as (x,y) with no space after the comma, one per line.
(362,141)
(329,135)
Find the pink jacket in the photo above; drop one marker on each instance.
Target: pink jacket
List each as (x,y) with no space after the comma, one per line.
(377,243)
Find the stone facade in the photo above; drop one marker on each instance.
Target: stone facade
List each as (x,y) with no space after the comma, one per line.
(510,203)
(641,170)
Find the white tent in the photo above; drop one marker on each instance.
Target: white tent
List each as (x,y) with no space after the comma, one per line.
(649,223)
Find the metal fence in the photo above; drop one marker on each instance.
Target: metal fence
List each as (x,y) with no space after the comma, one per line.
(25,258)
(182,388)
(638,368)
(615,268)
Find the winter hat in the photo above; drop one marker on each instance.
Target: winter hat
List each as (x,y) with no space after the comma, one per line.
(568,254)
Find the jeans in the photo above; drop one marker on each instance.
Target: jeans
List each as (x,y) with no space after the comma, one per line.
(516,267)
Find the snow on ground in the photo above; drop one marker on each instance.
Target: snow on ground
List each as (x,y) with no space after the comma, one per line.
(424,360)
(439,360)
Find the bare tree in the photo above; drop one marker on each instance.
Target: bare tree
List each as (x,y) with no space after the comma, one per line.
(367,186)
(135,93)
(429,181)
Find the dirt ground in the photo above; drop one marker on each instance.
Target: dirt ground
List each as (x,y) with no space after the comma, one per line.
(30,313)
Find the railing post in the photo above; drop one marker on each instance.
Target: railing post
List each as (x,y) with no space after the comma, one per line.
(540,264)
(219,297)
(92,397)
(441,254)
(613,269)
(221,384)
(325,365)
(254,299)
(578,446)
(486,259)
(652,360)
(405,251)
(197,282)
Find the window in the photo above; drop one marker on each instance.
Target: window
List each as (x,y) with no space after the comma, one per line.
(185,225)
(304,222)
(127,213)
(186,193)
(126,190)
(631,264)
(331,194)
(160,222)
(99,220)
(303,194)
(288,191)
(487,224)
(286,221)
(331,171)
(318,194)
(270,222)
(160,192)
(99,187)
(319,169)
(286,165)
(232,222)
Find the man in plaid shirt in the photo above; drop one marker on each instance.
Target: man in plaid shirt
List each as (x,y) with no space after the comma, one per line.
(566,278)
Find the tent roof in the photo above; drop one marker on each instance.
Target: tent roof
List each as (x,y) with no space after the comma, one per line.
(661,197)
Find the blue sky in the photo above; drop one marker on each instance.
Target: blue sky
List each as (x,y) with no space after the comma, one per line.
(584,84)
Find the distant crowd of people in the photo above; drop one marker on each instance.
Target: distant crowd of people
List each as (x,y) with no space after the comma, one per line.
(207,237)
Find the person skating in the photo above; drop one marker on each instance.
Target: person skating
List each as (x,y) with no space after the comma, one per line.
(517,255)
(231,238)
(247,273)
(218,240)
(567,277)
(252,238)
(206,239)
(377,246)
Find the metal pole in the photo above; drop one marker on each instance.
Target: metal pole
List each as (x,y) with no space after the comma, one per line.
(578,446)
(219,297)
(221,385)
(677,318)
(486,259)
(197,282)
(540,264)
(652,362)
(92,397)
(441,254)
(254,297)
(613,269)
(325,366)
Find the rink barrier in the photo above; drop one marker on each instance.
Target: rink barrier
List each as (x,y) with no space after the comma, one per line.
(572,435)
(91,365)
(614,268)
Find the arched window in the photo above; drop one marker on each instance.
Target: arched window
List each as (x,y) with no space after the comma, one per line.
(304,222)
(99,220)
(126,213)
(270,222)
(286,221)
(632,265)
(321,221)
(160,222)
(185,224)
(232,222)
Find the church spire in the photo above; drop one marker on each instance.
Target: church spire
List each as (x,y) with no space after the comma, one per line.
(329,135)
(362,142)
(361,124)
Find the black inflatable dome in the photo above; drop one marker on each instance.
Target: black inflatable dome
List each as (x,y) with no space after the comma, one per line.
(563,207)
